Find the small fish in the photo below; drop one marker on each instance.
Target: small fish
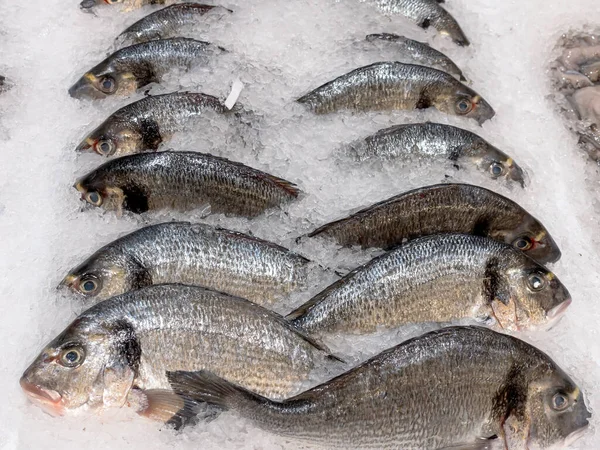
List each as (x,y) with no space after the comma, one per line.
(419,53)
(426,13)
(167,22)
(145,124)
(196,254)
(183,181)
(438,279)
(128,5)
(459,388)
(131,68)
(116,353)
(393,85)
(444,208)
(433,140)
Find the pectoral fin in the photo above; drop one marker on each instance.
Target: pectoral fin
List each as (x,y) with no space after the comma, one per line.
(515,433)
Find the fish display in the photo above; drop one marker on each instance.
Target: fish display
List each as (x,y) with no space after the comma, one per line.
(444,208)
(419,53)
(425,13)
(442,278)
(168,22)
(145,124)
(432,141)
(118,351)
(457,388)
(133,67)
(183,181)
(394,85)
(195,254)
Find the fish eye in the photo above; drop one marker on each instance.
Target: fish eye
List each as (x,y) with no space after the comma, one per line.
(536,281)
(464,106)
(108,85)
(559,402)
(104,147)
(497,169)
(72,357)
(89,285)
(523,243)
(94,198)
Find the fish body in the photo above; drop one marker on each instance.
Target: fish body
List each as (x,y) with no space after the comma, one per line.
(441,278)
(425,13)
(183,181)
(394,85)
(167,22)
(145,124)
(419,53)
(195,254)
(136,66)
(444,208)
(456,388)
(122,348)
(432,141)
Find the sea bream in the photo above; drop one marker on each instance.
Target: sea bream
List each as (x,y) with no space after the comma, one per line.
(136,66)
(444,208)
(438,279)
(168,22)
(183,181)
(394,85)
(418,53)
(459,388)
(197,254)
(145,124)
(117,352)
(430,141)
(425,13)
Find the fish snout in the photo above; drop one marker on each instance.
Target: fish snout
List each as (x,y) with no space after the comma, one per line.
(85,89)
(559,309)
(85,145)
(50,401)
(484,111)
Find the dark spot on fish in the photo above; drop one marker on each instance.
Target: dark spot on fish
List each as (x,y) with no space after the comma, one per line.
(151,137)
(136,200)
(127,343)
(511,397)
(425,24)
(481,227)
(424,102)
(493,283)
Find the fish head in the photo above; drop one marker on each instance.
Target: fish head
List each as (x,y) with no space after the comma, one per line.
(100,189)
(103,81)
(556,409)
(452,29)
(495,163)
(85,367)
(532,238)
(533,296)
(466,103)
(106,273)
(113,138)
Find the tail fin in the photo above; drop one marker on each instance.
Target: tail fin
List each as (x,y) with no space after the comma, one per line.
(204,386)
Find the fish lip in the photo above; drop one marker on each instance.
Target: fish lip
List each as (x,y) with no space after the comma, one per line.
(575,435)
(47,399)
(486,111)
(67,281)
(559,309)
(86,144)
(84,89)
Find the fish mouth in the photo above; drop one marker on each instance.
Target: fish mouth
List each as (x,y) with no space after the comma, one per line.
(484,111)
(68,281)
(558,310)
(575,435)
(84,89)
(48,400)
(85,145)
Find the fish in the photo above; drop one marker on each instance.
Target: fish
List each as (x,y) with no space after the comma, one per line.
(168,22)
(456,388)
(183,181)
(195,254)
(128,5)
(118,351)
(426,13)
(434,140)
(420,53)
(145,124)
(444,208)
(131,68)
(394,85)
(438,279)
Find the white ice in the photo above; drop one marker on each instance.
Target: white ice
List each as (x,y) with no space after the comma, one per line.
(279,50)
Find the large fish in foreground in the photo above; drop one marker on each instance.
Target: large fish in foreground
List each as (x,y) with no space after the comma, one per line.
(442,278)
(198,254)
(459,388)
(183,181)
(425,13)
(444,208)
(145,124)
(118,351)
(134,67)
(394,85)
(168,22)
(430,141)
